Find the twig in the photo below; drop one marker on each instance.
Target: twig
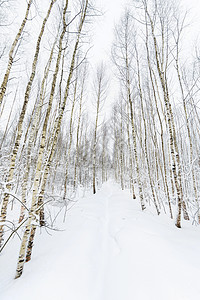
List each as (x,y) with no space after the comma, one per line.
(12,235)
(6,192)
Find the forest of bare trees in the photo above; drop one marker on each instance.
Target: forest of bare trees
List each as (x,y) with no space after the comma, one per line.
(54,137)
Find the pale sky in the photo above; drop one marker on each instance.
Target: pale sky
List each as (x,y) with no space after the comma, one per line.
(104,31)
(112,11)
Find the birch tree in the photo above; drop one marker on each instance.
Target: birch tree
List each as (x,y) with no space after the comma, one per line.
(12,53)
(35,205)
(162,74)
(22,115)
(122,54)
(100,89)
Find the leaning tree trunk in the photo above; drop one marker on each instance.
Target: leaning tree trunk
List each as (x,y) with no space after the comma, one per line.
(145,135)
(34,205)
(11,53)
(176,169)
(189,135)
(58,121)
(33,131)
(21,119)
(133,131)
(161,126)
(36,184)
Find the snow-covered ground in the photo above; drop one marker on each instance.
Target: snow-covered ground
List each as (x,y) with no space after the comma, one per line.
(108,249)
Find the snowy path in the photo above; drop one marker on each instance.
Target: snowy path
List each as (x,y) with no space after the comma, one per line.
(110,250)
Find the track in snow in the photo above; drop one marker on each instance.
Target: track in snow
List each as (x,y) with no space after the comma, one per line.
(111,250)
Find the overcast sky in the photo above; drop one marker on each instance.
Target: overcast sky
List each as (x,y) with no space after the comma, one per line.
(113,9)
(103,29)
